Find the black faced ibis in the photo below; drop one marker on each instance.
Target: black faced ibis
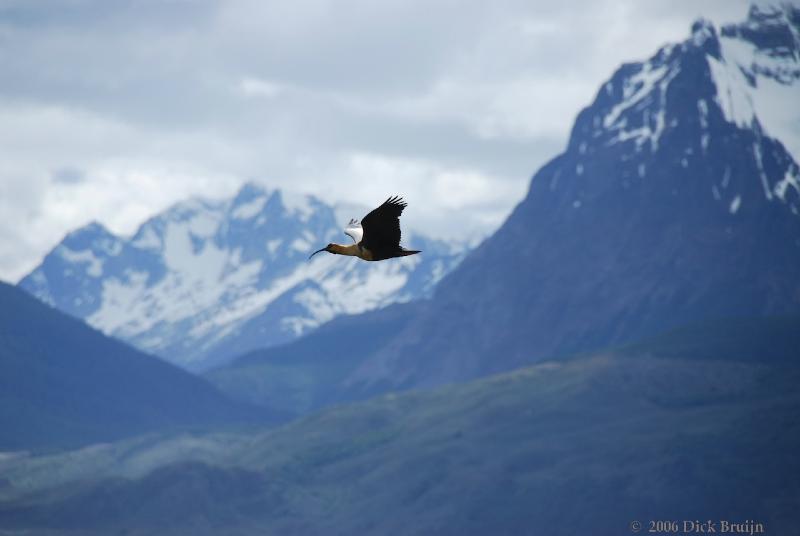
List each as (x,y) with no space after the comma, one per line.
(377,237)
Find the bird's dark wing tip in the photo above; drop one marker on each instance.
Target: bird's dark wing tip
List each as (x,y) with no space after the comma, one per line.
(396,200)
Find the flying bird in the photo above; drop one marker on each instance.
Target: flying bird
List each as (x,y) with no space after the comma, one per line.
(377,237)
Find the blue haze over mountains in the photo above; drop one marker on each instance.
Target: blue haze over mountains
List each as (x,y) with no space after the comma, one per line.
(624,347)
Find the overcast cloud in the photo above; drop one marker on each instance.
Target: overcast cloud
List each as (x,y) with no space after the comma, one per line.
(112,111)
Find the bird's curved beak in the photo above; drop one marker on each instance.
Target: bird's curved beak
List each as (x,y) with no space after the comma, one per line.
(323,249)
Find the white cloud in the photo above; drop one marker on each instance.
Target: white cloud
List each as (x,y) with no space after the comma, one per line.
(112,112)
(257,87)
(447,201)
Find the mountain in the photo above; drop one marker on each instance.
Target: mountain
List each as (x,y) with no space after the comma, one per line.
(314,371)
(206,280)
(583,445)
(311,372)
(64,384)
(677,199)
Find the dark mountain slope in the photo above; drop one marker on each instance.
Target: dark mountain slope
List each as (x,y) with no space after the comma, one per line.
(665,209)
(310,372)
(771,341)
(63,383)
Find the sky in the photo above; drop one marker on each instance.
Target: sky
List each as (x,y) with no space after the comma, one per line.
(112,111)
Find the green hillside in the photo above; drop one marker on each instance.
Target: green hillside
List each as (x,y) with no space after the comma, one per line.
(314,371)
(578,446)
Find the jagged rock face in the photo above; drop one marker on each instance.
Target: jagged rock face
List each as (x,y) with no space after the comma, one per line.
(207,280)
(677,199)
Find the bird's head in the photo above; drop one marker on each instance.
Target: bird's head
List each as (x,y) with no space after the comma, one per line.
(329,248)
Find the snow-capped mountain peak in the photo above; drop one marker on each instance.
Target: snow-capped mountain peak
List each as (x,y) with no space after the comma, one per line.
(758,73)
(747,75)
(207,279)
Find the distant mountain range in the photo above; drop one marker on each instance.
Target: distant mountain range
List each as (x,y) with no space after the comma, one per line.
(206,280)
(63,384)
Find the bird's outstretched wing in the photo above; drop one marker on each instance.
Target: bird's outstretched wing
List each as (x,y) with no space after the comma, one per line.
(382,225)
(354,231)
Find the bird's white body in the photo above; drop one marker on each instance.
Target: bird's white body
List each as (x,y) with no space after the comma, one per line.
(354,231)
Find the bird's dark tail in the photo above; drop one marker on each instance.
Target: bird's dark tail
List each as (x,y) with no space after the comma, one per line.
(407,252)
